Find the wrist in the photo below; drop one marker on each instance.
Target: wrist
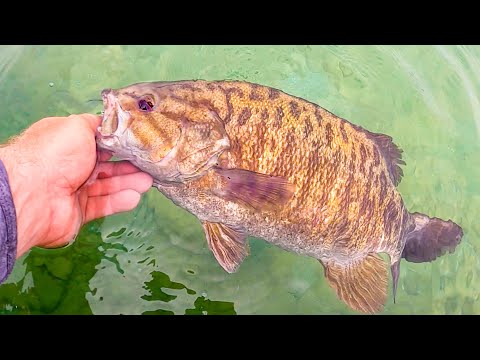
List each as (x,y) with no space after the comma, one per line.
(27,193)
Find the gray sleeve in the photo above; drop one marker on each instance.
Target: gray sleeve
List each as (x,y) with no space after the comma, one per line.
(8,227)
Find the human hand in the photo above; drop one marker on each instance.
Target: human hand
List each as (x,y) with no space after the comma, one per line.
(48,166)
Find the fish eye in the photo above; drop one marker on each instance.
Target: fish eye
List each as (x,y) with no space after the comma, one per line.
(145,104)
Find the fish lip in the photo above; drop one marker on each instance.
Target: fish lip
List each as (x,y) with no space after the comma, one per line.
(106,142)
(111,108)
(107,103)
(108,107)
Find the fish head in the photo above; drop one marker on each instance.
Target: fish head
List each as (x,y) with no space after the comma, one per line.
(162,134)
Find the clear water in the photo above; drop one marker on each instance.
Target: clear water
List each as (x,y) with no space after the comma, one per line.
(155,260)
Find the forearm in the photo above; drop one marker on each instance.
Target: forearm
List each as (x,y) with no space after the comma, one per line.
(26,196)
(8,226)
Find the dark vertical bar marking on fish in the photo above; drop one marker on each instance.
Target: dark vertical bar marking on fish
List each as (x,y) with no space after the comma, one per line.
(278,117)
(308,128)
(255,94)
(211,86)
(343,131)
(294,109)
(273,93)
(389,216)
(352,162)
(228,101)
(264,115)
(244,116)
(365,194)
(363,157)
(290,138)
(329,134)
(376,156)
(363,153)
(228,98)
(318,116)
(383,186)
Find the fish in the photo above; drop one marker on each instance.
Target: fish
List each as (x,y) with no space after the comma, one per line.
(249,160)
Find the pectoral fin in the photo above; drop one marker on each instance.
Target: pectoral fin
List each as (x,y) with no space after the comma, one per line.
(252,189)
(228,245)
(362,284)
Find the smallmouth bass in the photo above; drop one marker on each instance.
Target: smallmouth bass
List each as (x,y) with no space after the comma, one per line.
(251,160)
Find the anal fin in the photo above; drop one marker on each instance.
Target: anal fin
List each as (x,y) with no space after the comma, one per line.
(228,244)
(361,284)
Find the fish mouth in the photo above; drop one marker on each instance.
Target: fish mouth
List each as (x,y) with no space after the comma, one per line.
(105,142)
(115,118)
(110,121)
(106,137)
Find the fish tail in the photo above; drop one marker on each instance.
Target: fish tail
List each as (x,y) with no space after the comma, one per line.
(431,238)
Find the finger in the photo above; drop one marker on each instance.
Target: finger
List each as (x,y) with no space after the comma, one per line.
(92,121)
(104,155)
(114,168)
(140,182)
(100,206)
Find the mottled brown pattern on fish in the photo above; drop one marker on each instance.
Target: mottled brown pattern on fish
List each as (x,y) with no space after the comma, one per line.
(278,117)
(273,93)
(308,128)
(291,138)
(194,103)
(229,93)
(383,185)
(264,115)
(294,109)
(376,157)
(255,93)
(318,116)
(189,87)
(328,134)
(244,116)
(363,158)
(343,132)
(390,214)
(154,137)
(211,86)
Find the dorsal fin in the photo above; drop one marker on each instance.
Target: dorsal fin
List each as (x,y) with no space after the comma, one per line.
(390,152)
(392,155)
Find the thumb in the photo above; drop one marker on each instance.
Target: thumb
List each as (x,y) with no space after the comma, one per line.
(92,121)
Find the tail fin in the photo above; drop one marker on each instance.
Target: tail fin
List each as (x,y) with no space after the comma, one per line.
(431,238)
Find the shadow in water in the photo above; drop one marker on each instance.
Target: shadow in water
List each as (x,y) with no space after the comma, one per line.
(56,281)
(202,305)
